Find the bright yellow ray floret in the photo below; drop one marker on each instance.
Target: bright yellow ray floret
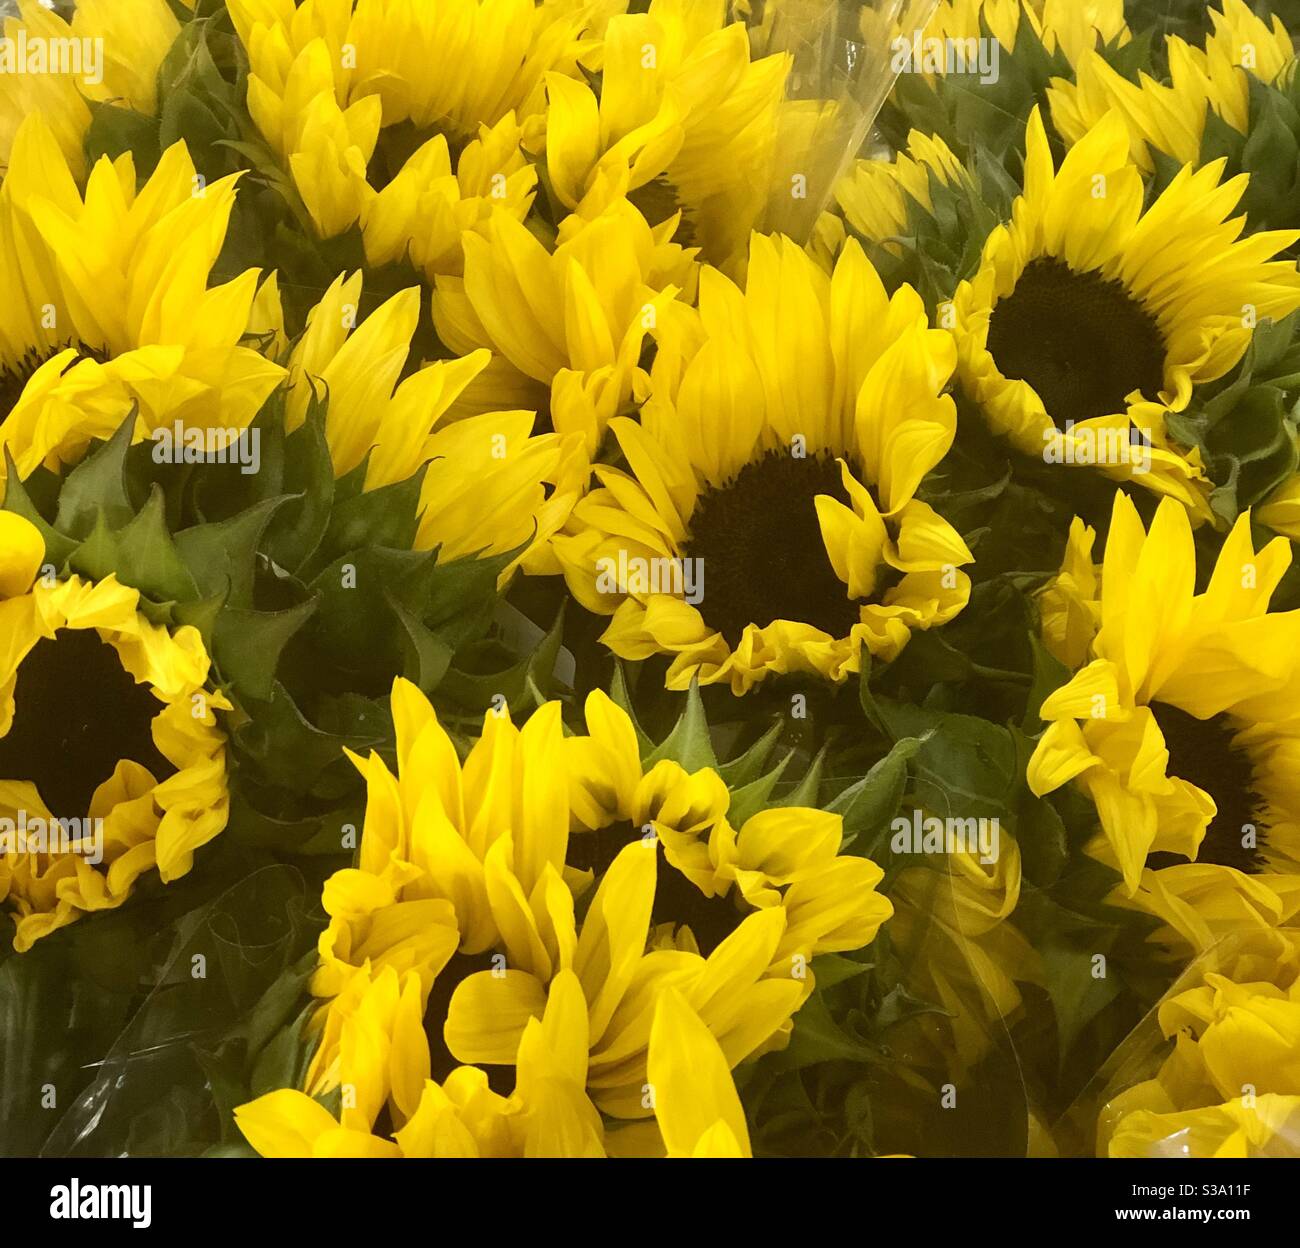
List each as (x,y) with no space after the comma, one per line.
(1182,702)
(491,483)
(108,303)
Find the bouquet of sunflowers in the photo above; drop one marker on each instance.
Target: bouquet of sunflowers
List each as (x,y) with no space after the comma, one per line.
(649,578)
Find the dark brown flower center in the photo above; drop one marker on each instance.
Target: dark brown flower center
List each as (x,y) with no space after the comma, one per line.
(1082,342)
(677,900)
(761,550)
(78,712)
(656,201)
(501,1079)
(1204,753)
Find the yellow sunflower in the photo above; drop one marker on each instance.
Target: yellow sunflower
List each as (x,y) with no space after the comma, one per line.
(460,64)
(491,484)
(110,51)
(112,761)
(768,522)
(954,932)
(875,196)
(1171,118)
(1075,27)
(381,1070)
(1230,1085)
(1180,723)
(555,881)
(682,119)
(1089,320)
(566,326)
(423,212)
(697,1110)
(107,304)
(365,107)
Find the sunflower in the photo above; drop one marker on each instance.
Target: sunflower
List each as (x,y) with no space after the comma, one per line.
(132,38)
(113,761)
(460,64)
(1171,119)
(952,927)
(423,212)
(559,881)
(875,197)
(777,462)
(107,304)
(1074,27)
(491,485)
(697,1110)
(381,1078)
(1180,723)
(682,119)
(566,326)
(365,109)
(1230,1086)
(1089,321)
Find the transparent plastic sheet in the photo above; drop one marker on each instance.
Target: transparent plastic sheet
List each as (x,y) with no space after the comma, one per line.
(114,1077)
(842,70)
(1266,1126)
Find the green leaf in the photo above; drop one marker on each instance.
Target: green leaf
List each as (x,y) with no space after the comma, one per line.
(1050,674)
(522,686)
(874,800)
(388,516)
(1044,846)
(114,131)
(807,791)
(98,485)
(831,969)
(749,799)
(817,1038)
(621,696)
(426,655)
(141,555)
(223,554)
(289,750)
(689,743)
(1068,944)
(299,527)
(965,766)
(460,597)
(247,645)
(748,766)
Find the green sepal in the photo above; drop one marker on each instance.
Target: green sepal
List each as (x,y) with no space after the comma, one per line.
(97,487)
(141,554)
(689,744)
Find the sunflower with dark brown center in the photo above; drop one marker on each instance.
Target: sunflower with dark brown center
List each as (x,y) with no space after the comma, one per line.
(1181,722)
(111,758)
(550,871)
(767,521)
(1082,342)
(1090,320)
